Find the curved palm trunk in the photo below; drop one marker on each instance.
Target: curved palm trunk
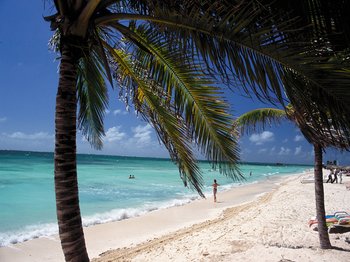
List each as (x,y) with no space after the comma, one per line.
(66,184)
(319,196)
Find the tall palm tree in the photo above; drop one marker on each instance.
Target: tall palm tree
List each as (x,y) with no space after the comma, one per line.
(182,104)
(259,118)
(327,23)
(152,50)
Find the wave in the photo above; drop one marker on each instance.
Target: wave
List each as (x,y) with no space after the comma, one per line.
(28,233)
(271,173)
(179,198)
(49,229)
(121,214)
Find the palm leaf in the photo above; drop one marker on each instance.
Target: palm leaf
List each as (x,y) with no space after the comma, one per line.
(258,119)
(93,99)
(239,41)
(172,132)
(195,97)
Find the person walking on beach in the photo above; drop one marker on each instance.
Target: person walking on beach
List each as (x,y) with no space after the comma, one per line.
(330,177)
(335,179)
(215,189)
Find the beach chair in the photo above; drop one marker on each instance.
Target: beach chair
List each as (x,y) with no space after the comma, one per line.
(342,226)
(343,221)
(338,218)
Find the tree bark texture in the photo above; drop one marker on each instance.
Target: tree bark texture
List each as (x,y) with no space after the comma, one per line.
(319,197)
(66,181)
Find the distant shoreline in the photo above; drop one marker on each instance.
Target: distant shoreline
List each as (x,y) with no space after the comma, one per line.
(157,158)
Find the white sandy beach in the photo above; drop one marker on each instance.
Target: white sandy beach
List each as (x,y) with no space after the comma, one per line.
(260,222)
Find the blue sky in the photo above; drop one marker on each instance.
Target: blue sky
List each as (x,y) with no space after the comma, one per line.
(28,84)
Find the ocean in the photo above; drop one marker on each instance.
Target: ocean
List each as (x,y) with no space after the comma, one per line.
(27,198)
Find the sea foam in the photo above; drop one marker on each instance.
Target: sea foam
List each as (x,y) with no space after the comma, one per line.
(45,230)
(28,233)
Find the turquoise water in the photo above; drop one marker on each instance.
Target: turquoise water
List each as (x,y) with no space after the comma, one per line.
(27,199)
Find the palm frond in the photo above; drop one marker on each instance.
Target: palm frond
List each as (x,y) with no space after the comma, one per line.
(242,40)
(195,97)
(93,99)
(258,119)
(150,104)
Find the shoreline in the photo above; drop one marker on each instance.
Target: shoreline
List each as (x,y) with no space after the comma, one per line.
(264,221)
(127,253)
(129,232)
(273,227)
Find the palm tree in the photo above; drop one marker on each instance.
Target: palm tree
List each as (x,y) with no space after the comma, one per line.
(259,118)
(166,88)
(327,23)
(152,51)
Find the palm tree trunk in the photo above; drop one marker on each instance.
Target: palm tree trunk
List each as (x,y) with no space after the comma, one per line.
(66,183)
(319,196)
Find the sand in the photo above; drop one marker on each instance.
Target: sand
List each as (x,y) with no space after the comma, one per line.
(260,222)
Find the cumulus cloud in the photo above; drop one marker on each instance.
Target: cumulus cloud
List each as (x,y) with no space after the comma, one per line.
(297,150)
(35,136)
(298,138)
(114,134)
(284,151)
(142,134)
(262,138)
(2,119)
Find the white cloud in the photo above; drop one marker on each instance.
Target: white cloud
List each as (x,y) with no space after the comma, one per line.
(119,112)
(113,134)
(35,136)
(246,151)
(298,138)
(3,119)
(262,138)
(312,153)
(297,150)
(107,111)
(138,141)
(263,150)
(142,134)
(284,151)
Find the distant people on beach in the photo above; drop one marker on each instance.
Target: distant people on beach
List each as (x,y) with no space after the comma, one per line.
(340,176)
(131,177)
(330,177)
(215,189)
(333,163)
(335,179)
(333,176)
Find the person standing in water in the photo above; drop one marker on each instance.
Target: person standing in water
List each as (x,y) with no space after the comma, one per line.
(215,189)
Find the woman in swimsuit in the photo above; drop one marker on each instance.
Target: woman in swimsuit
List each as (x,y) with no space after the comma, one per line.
(215,189)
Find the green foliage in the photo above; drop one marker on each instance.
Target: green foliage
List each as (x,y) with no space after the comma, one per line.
(271,52)
(93,99)
(257,119)
(165,56)
(163,81)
